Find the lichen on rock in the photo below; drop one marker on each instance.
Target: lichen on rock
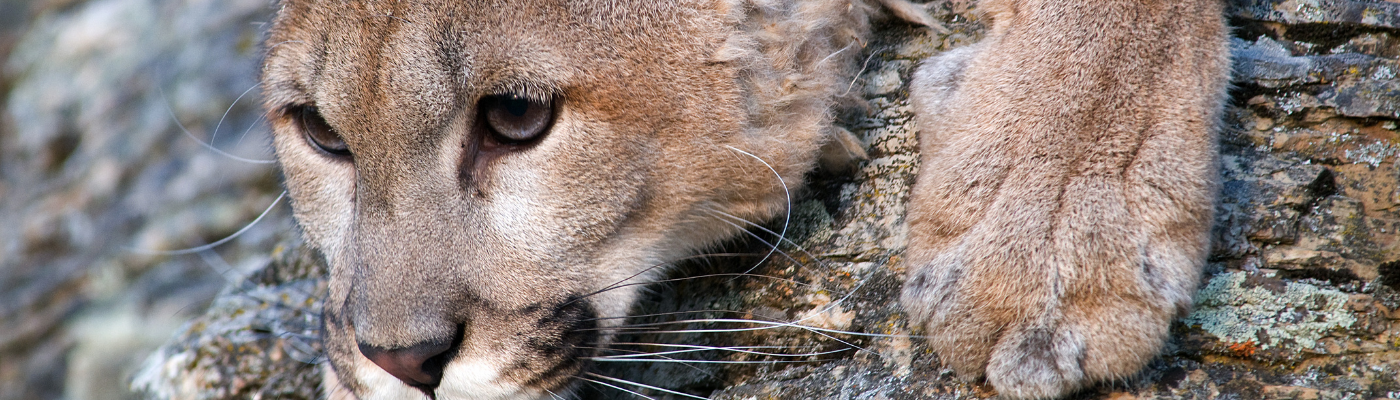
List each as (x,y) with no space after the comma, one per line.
(1240,307)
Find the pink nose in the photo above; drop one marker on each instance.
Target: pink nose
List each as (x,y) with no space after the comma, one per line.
(419,365)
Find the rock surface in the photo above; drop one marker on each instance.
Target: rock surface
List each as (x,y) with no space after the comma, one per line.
(96,173)
(1301,301)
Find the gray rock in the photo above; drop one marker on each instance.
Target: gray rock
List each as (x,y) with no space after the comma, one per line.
(1375,13)
(95,172)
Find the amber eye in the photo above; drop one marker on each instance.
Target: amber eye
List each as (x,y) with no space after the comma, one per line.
(517,119)
(318,132)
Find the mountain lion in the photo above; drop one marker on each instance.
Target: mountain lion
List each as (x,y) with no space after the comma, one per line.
(480,175)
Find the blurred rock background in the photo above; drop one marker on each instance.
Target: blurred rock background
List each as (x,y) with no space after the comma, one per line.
(1301,301)
(96,172)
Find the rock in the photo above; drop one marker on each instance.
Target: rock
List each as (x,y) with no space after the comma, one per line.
(259,340)
(96,173)
(1380,14)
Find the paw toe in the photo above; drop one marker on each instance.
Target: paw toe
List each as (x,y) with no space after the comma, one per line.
(1037,363)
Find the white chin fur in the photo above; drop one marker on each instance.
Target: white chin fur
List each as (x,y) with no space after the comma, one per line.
(477,380)
(383,386)
(464,380)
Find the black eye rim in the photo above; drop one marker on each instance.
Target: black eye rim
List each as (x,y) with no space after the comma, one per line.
(486,102)
(310,122)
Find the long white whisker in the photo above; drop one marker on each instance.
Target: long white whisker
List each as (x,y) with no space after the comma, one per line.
(279,44)
(683,363)
(208,146)
(621,283)
(765,229)
(668,313)
(766,325)
(726,347)
(317,357)
(862,71)
(823,332)
(219,265)
(787,217)
(614,387)
(214,135)
(834,304)
(843,50)
(818,333)
(627,382)
(616,286)
(601,359)
(695,349)
(261,118)
(760,239)
(216,243)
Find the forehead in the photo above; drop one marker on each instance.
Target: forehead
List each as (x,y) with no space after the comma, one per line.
(333,52)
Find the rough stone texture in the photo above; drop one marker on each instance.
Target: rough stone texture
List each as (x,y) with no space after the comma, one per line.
(95,171)
(238,350)
(1301,301)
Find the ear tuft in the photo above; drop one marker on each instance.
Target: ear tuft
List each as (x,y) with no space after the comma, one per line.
(914,14)
(842,152)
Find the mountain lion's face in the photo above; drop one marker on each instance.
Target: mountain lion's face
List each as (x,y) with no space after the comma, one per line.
(478,173)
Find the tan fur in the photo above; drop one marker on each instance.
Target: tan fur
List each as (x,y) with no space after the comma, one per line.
(671,112)
(1068,173)
(660,101)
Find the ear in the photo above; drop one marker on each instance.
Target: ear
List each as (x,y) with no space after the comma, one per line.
(842,152)
(914,14)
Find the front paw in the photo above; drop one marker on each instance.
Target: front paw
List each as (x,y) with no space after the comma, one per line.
(1035,321)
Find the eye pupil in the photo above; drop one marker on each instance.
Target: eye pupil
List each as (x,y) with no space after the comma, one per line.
(515,119)
(319,132)
(517,106)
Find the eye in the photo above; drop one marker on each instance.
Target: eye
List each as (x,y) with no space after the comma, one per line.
(517,119)
(318,132)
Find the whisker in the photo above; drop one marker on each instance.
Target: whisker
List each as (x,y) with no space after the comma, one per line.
(683,363)
(769,231)
(217,243)
(823,332)
(696,348)
(627,382)
(208,146)
(219,265)
(799,247)
(843,50)
(767,325)
(637,354)
(261,118)
(214,135)
(621,284)
(766,242)
(316,356)
(551,393)
(863,66)
(666,314)
(816,332)
(787,217)
(638,328)
(729,347)
(602,359)
(279,44)
(736,275)
(614,387)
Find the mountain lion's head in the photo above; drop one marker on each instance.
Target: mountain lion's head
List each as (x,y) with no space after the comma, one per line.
(481,175)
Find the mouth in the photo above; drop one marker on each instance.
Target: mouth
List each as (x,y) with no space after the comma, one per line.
(536,352)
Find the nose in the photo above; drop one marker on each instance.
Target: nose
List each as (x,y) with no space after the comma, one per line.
(419,365)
